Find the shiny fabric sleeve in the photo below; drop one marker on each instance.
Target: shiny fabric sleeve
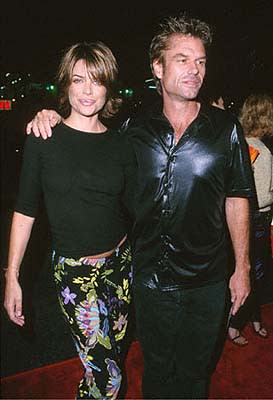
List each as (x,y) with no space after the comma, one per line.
(240,181)
(129,161)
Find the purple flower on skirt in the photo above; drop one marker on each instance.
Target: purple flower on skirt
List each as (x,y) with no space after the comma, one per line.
(114,380)
(105,328)
(102,307)
(68,297)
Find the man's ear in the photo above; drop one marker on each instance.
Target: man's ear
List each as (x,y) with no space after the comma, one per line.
(158,69)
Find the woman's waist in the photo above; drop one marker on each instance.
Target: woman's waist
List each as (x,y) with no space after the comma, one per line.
(104,254)
(89,250)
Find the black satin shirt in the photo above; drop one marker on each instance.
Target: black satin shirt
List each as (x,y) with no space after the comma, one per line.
(180,235)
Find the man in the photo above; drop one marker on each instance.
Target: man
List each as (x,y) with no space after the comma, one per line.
(194,180)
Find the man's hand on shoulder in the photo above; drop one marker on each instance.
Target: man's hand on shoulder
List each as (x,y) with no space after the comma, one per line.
(42,123)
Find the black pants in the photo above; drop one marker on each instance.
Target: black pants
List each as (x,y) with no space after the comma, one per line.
(178,331)
(260,252)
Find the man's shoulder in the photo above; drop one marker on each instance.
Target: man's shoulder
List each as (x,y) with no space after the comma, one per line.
(132,123)
(221,120)
(142,117)
(219,115)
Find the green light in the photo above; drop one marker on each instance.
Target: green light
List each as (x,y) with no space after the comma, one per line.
(50,87)
(127,92)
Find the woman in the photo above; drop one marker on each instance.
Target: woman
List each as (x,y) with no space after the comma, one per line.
(84,173)
(257,120)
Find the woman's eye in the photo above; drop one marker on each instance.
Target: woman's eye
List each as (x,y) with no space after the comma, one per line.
(76,80)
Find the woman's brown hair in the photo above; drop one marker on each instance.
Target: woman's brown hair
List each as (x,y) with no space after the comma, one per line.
(256,115)
(102,66)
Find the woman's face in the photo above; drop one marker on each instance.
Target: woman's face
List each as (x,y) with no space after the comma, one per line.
(86,96)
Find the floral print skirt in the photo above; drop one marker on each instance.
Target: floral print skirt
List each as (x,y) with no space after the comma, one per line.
(95,297)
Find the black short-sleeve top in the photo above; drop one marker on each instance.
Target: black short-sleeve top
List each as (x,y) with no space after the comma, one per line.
(86,182)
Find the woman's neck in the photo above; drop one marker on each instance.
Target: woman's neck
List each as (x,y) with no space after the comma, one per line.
(85,124)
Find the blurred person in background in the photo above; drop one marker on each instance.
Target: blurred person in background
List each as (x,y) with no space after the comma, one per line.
(256,117)
(217,101)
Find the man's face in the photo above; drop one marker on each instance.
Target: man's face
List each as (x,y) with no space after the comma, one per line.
(183,69)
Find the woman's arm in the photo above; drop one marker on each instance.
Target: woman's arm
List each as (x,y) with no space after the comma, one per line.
(20,233)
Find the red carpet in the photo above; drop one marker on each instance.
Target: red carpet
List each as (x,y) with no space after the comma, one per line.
(242,373)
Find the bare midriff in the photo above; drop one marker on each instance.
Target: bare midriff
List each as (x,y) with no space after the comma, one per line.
(106,253)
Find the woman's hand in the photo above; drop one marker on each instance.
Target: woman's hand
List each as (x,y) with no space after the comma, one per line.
(13,299)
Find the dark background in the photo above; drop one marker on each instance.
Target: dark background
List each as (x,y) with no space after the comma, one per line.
(33,34)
